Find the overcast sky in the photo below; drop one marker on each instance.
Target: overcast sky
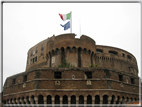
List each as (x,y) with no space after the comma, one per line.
(26,24)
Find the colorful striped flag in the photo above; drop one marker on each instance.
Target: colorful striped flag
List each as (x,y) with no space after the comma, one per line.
(65,16)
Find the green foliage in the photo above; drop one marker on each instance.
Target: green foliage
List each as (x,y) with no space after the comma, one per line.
(64,64)
(94,65)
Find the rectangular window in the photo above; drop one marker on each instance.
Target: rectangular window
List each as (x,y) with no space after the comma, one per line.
(120,78)
(33,60)
(13,82)
(36,50)
(25,78)
(41,52)
(42,47)
(36,59)
(88,75)
(132,81)
(57,75)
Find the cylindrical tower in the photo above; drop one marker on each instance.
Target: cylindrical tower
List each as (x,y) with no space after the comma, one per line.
(66,70)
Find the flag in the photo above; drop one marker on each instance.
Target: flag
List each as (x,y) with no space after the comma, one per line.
(65,16)
(66,26)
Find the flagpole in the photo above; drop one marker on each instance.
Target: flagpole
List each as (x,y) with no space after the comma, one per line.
(71,23)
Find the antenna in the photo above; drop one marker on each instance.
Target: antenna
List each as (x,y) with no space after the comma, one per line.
(71,23)
(80,26)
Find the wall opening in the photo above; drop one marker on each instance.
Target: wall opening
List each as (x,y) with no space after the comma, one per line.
(15,101)
(33,60)
(65,99)
(88,75)
(92,58)
(73,99)
(50,59)
(8,101)
(36,50)
(25,78)
(132,81)
(131,99)
(14,80)
(129,57)
(112,100)
(28,99)
(118,98)
(99,51)
(23,100)
(57,75)
(36,59)
(11,101)
(19,100)
(105,99)
(97,99)
(123,99)
(81,99)
(40,99)
(79,57)
(68,49)
(62,55)
(89,99)
(120,78)
(113,52)
(123,54)
(49,100)
(32,97)
(57,99)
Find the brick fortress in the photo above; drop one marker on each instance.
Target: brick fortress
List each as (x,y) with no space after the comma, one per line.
(66,70)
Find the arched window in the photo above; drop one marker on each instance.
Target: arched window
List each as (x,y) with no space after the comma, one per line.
(79,57)
(49,100)
(118,98)
(129,57)
(97,99)
(81,99)
(73,99)
(105,99)
(113,52)
(40,99)
(65,99)
(89,99)
(112,100)
(99,51)
(57,99)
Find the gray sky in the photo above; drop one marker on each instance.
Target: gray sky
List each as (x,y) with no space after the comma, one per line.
(26,24)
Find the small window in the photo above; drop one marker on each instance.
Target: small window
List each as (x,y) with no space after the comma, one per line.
(42,52)
(36,50)
(42,47)
(113,52)
(120,78)
(88,75)
(99,51)
(36,59)
(57,75)
(73,76)
(25,78)
(129,57)
(33,60)
(13,82)
(132,80)
(123,54)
